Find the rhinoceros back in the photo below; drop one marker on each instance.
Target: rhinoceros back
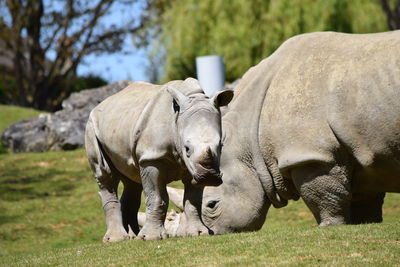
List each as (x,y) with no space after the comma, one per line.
(114,120)
(142,112)
(332,90)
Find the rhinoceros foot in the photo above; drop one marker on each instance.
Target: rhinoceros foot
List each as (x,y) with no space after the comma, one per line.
(116,236)
(152,233)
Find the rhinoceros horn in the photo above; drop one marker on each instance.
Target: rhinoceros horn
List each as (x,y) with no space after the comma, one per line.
(141,217)
(176,196)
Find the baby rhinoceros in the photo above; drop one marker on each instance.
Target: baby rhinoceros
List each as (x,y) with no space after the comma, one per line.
(147,136)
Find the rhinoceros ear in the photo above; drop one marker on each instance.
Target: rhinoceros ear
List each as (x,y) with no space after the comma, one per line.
(222,98)
(179,98)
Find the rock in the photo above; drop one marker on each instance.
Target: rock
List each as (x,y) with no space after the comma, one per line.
(26,135)
(62,130)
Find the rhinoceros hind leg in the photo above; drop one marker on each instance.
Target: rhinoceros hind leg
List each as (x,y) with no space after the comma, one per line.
(130,204)
(112,210)
(366,208)
(326,192)
(108,184)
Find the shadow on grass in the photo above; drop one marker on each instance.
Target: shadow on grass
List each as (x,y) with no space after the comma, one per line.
(23,184)
(4,218)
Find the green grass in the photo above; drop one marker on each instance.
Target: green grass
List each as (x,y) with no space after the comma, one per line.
(11,114)
(50,214)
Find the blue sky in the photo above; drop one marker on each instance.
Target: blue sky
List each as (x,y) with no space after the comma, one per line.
(112,67)
(118,66)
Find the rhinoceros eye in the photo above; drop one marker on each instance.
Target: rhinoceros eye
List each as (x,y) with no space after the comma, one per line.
(176,106)
(221,144)
(211,204)
(188,149)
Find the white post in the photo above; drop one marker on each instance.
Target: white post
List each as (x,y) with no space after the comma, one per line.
(210,73)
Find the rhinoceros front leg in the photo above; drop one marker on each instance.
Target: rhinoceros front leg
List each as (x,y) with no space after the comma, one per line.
(191,223)
(326,192)
(155,191)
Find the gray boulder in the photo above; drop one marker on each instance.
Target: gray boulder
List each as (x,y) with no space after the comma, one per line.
(62,130)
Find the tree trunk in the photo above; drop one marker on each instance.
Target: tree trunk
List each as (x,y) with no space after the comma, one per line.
(392,15)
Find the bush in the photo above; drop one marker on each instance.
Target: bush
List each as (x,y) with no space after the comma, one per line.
(87,82)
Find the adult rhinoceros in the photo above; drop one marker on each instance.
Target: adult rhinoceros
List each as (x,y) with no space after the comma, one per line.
(147,136)
(319,119)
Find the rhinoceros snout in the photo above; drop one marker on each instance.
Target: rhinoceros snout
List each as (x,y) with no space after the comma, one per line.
(208,160)
(207,176)
(210,182)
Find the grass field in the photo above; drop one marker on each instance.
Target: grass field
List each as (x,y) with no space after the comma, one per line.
(11,114)
(50,214)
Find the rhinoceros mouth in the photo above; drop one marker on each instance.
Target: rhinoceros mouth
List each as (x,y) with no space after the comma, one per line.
(206,177)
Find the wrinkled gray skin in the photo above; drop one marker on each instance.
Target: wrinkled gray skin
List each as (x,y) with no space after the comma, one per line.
(318,119)
(147,136)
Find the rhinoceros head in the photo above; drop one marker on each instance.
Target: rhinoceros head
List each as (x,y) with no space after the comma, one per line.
(237,205)
(198,133)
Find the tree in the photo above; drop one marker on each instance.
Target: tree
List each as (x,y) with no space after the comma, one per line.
(392,11)
(245,32)
(46,40)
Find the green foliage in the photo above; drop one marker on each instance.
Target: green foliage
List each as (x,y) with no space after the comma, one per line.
(245,32)
(7,84)
(50,214)
(87,82)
